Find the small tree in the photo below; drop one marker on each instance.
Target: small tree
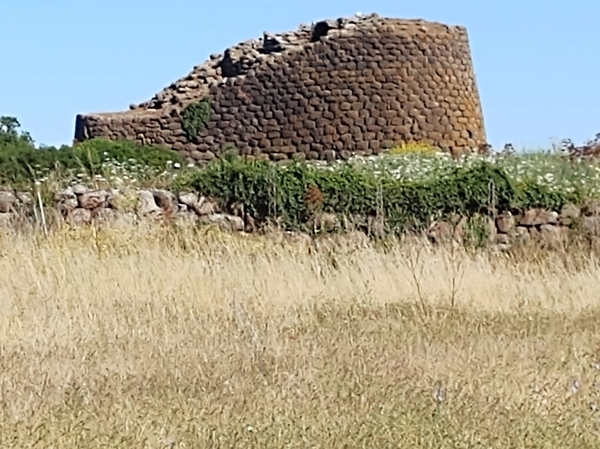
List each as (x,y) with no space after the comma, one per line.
(9,131)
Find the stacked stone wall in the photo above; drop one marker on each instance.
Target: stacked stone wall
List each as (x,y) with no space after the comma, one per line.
(326,91)
(80,206)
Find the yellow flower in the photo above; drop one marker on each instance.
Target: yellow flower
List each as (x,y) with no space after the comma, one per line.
(413,148)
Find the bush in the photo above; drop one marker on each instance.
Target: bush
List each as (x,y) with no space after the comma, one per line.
(269,191)
(22,162)
(413,148)
(92,153)
(195,117)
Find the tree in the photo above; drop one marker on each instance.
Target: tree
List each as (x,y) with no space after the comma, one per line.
(9,131)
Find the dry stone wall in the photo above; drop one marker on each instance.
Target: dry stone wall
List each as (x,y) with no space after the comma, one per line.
(326,91)
(79,206)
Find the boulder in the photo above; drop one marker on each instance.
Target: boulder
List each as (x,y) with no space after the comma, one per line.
(104,215)
(505,222)
(538,217)
(66,200)
(502,239)
(204,206)
(375,225)
(79,189)
(439,231)
(6,220)
(93,199)
(25,198)
(165,200)
(200,204)
(227,222)
(326,222)
(7,201)
(522,233)
(147,204)
(79,216)
(591,225)
(569,213)
(591,208)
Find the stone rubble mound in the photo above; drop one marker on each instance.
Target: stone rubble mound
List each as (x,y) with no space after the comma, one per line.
(240,59)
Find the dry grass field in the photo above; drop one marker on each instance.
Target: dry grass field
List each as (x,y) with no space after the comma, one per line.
(161,338)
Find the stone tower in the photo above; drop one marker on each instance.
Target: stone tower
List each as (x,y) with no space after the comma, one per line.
(356,85)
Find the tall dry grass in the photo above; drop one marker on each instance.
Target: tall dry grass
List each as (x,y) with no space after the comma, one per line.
(154,337)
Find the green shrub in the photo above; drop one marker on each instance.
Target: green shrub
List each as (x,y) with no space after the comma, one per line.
(531,194)
(92,153)
(269,191)
(195,116)
(22,162)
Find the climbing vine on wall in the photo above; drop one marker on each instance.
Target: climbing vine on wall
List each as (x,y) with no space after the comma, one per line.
(195,116)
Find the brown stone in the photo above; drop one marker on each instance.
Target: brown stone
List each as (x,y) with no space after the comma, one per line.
(226,222)
(93,199)
(538,217)
(569,213)
(522,233)
(591,225)
(147,204)
(79,216)
(502,239)
(550,233)
(378,75)
(165,200)
(329,155)
(7,201)
(591,208)
(505,222)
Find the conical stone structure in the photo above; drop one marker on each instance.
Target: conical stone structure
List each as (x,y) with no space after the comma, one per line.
(356,85)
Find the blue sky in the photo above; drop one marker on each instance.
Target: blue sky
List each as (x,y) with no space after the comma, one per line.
(536,61)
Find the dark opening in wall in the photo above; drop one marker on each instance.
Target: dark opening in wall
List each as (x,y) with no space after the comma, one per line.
(319,30)
(229,67)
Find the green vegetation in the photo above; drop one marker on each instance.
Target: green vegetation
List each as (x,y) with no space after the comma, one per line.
(21,162)
(408,188)
(195,117)
(269,190)
(126,335)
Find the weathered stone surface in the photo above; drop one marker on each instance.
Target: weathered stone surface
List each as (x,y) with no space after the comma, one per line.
(147,204)
(505,222)
(503,239)
(591,208)
(188,199)
(165,200)
(6,219)
(204,206)
(79,216)
(25,198)
(546,228)
(304,94)
(7,201)
(591,225)
(568,213)
(104,215)
(66,200)
(326,222)
(522,233)
(538,217)
(441,231)
(226,222)
(187,217)
(546,217)
(79,189)
(551,233)
(200,204)
(375,226)
(93,199)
